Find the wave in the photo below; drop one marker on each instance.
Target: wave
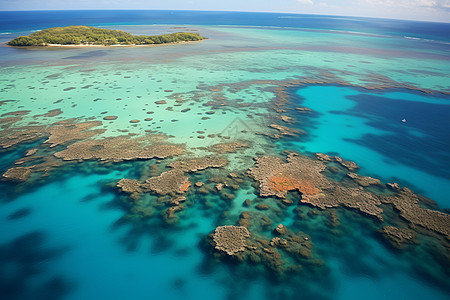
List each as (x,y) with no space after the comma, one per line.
(426,40)
(411,38)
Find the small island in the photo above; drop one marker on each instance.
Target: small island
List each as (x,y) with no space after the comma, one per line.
(87,36)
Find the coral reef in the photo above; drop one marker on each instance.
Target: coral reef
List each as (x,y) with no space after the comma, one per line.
(13,136)
(172,181)
(277,178)
(228,147)
(355,198)
(16,113)
(303,109)
(118,149)
(197,164)
(284,130)
(305,175)
(238,243)
(51,113)
(64,132)
(351,166)
(17,174)
(408,204)
(262,206)
(399,238)
(110,118)
(130,186)
(363,180)
(230,239)
(280,229)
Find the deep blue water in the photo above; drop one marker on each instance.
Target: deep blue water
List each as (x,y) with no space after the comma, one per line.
(32,20)
(368,127)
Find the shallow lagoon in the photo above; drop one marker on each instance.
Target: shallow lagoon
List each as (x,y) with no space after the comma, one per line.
(81,243)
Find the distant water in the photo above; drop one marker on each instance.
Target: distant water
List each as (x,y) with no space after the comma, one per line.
(31,20)
(68,236)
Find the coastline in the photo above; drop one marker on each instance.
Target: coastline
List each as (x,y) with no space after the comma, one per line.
(97,46)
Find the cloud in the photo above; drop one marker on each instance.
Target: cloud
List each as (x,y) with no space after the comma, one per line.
(409,3)
(305,2)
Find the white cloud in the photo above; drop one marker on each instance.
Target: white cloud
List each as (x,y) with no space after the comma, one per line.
(408,3)
(305,2)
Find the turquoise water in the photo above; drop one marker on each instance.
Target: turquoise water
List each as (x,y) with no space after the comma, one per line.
(379,142)
(72,235)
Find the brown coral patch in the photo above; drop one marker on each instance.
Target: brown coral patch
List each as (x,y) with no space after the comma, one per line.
(286,130)
(9,120)
(363,180)
(16,113)
(228,147)
(408,204)
(350,165)
(31,152)
(17,174)
(355,198)
(118,149)
(300,173)
(230,239)
(197,164)
(284,184)
(65,132)
(185,186)
(304,174)
(303,109)
(14,136)
(51,113)
(3,102)
(131,186)
(172,181)
(398,237)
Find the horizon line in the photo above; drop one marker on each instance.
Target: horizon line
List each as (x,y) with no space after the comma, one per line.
(237,11)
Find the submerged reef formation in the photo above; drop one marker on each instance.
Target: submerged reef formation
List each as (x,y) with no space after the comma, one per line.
(17,174)
(219,175)
(72,140)
(231,239)
(64,132)
(14,136)
(285,253)
(305,175)
(118,149)
(228,147)
(170,184)
(197,164)
(399,238)
(277,178)
(408,204)
(172,181)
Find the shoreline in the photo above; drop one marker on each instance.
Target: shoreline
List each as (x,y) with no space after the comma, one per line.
(95,46)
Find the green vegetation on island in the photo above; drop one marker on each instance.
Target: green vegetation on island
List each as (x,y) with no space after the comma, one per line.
(86,35)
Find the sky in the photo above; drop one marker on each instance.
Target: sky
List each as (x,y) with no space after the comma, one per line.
(423,10)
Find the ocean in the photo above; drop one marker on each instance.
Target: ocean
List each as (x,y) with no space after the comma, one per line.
(372,91)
